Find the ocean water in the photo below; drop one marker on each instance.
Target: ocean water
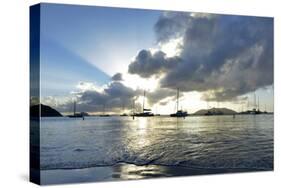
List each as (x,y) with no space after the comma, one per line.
(202,142)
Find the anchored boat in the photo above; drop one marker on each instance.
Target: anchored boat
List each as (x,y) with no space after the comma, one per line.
(145,111)
(179,113)
(75,115)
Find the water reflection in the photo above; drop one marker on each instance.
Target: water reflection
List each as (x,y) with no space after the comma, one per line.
(201,142)
(134,172)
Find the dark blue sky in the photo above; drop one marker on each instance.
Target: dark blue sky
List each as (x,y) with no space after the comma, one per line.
(86,43)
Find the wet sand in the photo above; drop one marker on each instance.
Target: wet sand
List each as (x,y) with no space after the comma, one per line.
(125,172)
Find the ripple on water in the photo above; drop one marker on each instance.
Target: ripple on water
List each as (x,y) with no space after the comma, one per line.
(202,142)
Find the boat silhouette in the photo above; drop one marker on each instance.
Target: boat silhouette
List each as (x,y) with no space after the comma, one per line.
(104,114)
(123,109)
(179,113)
(256,108)
(145,111)
(124,114)
(75,115)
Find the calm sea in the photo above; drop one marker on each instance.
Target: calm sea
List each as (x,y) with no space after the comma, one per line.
(205,142)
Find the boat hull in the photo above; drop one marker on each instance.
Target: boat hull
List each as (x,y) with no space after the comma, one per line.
(179,114)
(76,116)
(144,115)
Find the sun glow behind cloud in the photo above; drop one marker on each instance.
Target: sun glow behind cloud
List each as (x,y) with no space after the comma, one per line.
(86,86)
(172,47)
(137,82)
(194,52)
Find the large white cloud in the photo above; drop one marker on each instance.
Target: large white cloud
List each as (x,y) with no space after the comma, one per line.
(227,56)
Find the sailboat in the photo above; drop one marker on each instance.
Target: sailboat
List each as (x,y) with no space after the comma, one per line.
(75,115)
(179,113)
(145,111)
(124,114)
(123,109)
(104,115)
(256,109)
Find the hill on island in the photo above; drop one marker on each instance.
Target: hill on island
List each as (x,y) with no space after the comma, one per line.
(215,111)
(46,111)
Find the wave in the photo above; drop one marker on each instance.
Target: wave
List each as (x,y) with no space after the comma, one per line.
(264,164)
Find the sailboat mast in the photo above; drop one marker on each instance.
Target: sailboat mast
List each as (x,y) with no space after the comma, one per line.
(177,99)
(248,104)
(74,108)
(133,106)
(143,101)
(255,105)
(258,103)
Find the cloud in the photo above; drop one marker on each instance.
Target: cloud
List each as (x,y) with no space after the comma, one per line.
(60,103)
(160,95)
(147,64)
(85,86)
(222,56)
(170,26)
(117,77)
(114,97)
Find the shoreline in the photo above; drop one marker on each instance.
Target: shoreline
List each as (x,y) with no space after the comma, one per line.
(124,171)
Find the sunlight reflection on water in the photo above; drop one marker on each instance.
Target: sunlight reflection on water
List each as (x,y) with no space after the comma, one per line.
(195,142)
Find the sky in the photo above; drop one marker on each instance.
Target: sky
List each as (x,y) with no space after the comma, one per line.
(106,57)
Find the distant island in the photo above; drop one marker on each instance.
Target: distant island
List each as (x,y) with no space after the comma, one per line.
(215,111)
(46,111)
